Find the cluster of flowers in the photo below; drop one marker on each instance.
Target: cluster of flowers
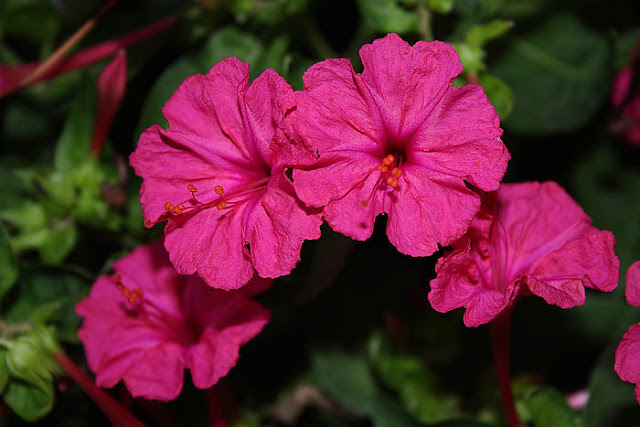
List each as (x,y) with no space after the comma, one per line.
(247,172)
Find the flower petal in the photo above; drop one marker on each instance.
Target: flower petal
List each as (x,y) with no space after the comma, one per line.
(407,82)
(159,373)
(426,211)
(632,290)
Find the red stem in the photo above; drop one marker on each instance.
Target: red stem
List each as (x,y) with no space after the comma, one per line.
(111,409)
(214,406)
(500,337)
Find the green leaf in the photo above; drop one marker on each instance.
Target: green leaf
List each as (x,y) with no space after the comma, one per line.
(73,146)
(229,41)
(58,243)
(8,263)
(270,11)
(29,401)
(479,35)
(441,6)
(348,379)
(549,408)
(49,296)
(387,16)
(499,94)
(406,373)
(558,75)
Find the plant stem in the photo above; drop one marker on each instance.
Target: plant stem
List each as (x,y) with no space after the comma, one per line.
(214,407)
(424,21)
(500,338)
(111,409)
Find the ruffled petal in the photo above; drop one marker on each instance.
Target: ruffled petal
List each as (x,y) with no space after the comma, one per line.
(159,373)
(627,363)
(425,211)
(277,226)
(461,138)
(407,82)
(211,244)
(458,283)
(632,290)
(565,292)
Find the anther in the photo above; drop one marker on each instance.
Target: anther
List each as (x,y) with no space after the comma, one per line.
(383,168)
(148,223)
(168,207)
(221,205)
(219,189)
(396,172)
(392,181)
(192,188)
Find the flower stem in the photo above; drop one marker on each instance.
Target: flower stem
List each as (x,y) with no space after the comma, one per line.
(214,406)
(111,409)
(500,337)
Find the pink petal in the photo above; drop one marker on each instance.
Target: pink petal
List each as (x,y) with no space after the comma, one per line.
(218,350)
(425,211)
(564,292)
(627,363)
(407,82)
(459,284)
(159,373)
(591,260)
(354,213)
(276,227)
(461,138)
(266,101)
(211,244)
(534,220)
(632,290)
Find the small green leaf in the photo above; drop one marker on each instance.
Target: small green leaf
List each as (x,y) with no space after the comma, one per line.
(58,243)
(229,41)
(441,6)
(479,35)
(26,361)
(8,263)
(499,94)
(73,145)
(387,16)
(471,57)
(558,75)
(549,408)
(49,296)
(29,401)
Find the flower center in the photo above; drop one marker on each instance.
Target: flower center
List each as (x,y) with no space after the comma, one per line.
(390,168)
(192,205)
(155,317)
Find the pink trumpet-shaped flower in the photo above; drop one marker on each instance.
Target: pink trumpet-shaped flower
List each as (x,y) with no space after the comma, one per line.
(397,139)
(627,363)
(530,238)
(146,323)
(625,96)
(213,176)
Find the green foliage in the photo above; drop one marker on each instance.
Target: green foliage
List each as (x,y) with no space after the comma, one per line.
(558,74)
(348,379)
(388,16)
(8,263)
(270,12)
(441,6)
(406,374)
(499,94)
(549,408)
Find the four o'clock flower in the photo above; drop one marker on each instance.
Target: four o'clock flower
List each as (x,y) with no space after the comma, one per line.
(145,324)
(397,139)
(214,177)
(628,352)
(530,238)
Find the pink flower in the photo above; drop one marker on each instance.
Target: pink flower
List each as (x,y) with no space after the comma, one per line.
(626,97)
(397,139)
(229,203)
(145,324)
(627,363)
(530,238)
